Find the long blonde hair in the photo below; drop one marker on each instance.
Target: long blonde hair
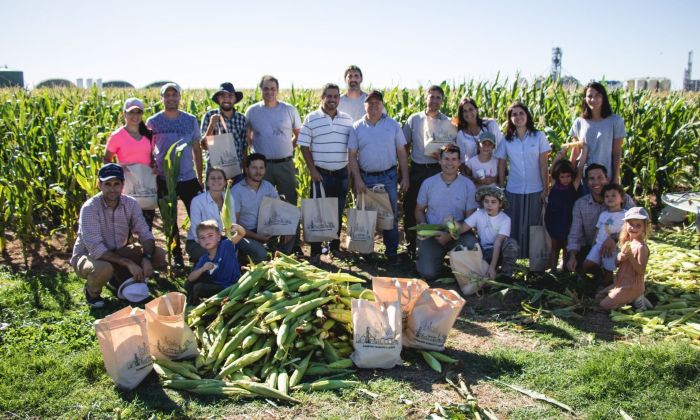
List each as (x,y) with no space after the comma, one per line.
(624,236)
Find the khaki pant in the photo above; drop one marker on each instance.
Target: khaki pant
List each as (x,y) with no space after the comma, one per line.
(99,272)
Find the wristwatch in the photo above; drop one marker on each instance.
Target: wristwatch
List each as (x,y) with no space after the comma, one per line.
(148,256)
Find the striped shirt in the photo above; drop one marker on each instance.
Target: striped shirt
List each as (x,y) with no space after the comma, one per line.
(585,217)
(102,229)
(327,138)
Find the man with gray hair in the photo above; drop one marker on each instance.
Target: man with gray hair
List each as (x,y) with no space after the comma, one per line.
(273,128)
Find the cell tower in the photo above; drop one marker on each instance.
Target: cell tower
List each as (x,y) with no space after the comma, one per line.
(555,73)
(688,72)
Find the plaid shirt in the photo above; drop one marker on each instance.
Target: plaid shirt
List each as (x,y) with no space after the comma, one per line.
(236,126)
(585,217)
(102,229)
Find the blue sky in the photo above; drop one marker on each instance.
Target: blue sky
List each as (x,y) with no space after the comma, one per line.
(308,43)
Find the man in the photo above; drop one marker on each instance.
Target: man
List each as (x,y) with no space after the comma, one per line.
(430,124)
(247,197)
(353,101)
(447,195)
(226,97)
(104,228)
(324,145)
(273,127)
(375,143)
(172,126)
(585,216)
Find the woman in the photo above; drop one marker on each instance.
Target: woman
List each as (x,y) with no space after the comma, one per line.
(525,151)
(206,206)
(602,130)
(469,126)
(132,143)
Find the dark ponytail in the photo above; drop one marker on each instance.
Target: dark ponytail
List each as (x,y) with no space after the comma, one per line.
(145,131)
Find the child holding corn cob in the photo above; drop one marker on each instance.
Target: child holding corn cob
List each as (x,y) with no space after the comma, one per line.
(609,225)
(218,268)
(628,285)
(493,228)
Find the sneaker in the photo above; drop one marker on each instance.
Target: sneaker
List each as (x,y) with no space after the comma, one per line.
(93,302)
(642,304)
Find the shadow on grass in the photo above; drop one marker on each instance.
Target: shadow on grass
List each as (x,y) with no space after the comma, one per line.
(153,396)
(53,284)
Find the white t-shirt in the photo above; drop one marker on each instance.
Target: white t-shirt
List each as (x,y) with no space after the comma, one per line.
(488,227)
(355,108)
(599,135)
(468,144)
(489,168)
(609,223)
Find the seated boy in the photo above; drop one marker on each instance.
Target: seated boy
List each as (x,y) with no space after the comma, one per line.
(493,227)
(218,268)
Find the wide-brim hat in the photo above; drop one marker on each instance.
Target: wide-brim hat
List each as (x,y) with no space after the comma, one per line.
(227,87)
(494,192)
(133,291)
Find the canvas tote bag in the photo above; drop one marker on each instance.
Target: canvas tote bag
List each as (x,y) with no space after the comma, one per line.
(223,153)
(432,318)
(361,226)
(123,339)
(277,217)
(377,199)
(437,134)
(409,290)
(168,334)
(468,267)
(140,183)
(320,217)
(540,251)
(376,333)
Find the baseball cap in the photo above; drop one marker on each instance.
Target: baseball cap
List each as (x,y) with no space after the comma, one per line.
(169,85)
(109,171)
(636,213)
(375,94)
(487,136)
(132,103)
(133,291)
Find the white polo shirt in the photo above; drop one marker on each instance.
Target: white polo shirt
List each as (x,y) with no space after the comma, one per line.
(327,138)
(523,156)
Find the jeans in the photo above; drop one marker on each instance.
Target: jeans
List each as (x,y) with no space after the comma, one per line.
(418,174)
(389,180)
(335,183)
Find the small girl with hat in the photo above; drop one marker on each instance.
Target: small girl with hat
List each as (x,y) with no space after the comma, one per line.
(628,286)
(482,168)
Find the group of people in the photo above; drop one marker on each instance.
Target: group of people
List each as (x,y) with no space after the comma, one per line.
(462,169)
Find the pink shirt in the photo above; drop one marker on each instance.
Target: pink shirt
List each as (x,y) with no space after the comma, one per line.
(129,150)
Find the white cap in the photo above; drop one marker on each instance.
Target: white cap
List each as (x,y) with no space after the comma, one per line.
(133,291)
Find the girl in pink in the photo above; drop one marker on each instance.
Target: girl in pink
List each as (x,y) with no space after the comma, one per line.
(628,285)
(132,143)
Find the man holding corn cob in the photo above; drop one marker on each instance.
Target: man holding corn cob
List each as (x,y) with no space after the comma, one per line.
(376,142)
(443,198)
(324,145)
(421,128)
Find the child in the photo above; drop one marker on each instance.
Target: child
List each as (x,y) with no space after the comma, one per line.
(609,225)
(493,228)
(631,261)
(560,202)
(218,268)
(482,168)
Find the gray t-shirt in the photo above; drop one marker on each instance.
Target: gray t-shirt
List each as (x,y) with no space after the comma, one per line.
(419,126)
(273,128)
(247,202)
(168,131)
(355,108)
(445,200)
(376,144)
(599,135)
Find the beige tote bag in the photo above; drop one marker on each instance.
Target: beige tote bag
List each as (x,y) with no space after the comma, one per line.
(223,153)
(437,134)
(432,318)
(468,267)
(377,333)
(409,290)
(277,217)
(123,339)
(320,217)
(540,251)
(140,183)
(377,199)
(361,226)
(168,334)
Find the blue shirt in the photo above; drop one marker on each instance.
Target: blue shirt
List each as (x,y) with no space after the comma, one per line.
(168,131)
(376,144)
(227,271)
(523,156)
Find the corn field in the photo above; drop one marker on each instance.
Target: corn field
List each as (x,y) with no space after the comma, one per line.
(54,140)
